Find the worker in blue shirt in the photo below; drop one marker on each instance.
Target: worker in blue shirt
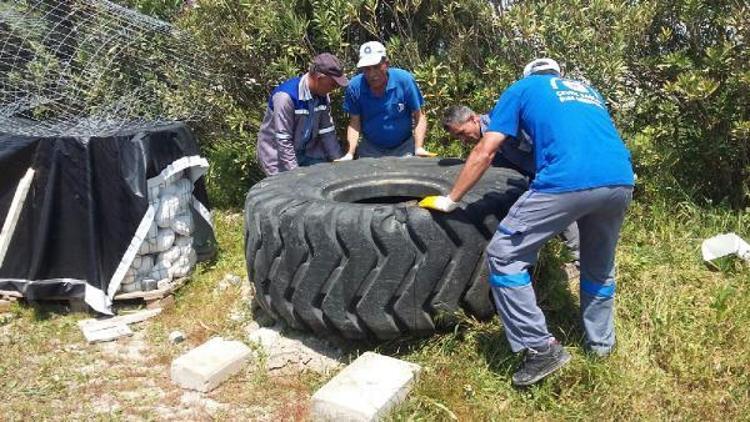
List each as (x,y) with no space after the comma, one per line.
(583,174)
(385,107)
(517,153)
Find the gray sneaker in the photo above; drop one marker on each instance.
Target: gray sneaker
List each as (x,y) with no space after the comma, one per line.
(538,363)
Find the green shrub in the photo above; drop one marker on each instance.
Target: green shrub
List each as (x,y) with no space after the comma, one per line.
(692,122)
(675,73)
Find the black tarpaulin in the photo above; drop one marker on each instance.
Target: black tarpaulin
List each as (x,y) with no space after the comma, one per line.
(74,230)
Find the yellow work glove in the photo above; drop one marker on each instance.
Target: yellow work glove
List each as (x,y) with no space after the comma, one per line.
(439,203)
(421,152)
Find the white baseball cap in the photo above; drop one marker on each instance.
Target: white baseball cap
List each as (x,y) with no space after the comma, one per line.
(538,65)
(370,53)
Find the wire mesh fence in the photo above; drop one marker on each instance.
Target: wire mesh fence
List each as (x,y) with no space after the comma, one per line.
(93,68)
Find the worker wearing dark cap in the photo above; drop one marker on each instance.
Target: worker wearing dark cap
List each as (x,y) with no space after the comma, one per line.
(297,129)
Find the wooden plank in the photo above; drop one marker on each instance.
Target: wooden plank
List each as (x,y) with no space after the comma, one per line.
(11,294)
(163,303)
(100,324)
(153,294)
(14,213)
(106,334)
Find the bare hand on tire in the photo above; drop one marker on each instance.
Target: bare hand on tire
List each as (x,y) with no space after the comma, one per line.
(421,152)
(439,203)
(347,157)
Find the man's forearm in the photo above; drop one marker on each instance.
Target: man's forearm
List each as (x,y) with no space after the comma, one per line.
(473,170)
(352,137)
(479,160)
(420,131)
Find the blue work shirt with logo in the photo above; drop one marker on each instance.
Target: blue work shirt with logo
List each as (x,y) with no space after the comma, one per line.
(386,120)
(576,145)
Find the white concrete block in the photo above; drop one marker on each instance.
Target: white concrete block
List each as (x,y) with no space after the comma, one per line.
(106,334)
(209,364)
(365,390)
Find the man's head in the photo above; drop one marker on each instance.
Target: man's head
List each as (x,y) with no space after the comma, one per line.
(326,74)
(545,66)
(462,123)
(374,64)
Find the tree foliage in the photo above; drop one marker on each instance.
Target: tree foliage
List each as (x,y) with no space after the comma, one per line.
(675,73)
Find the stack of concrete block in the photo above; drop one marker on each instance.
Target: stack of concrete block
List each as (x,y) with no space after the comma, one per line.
(167,251)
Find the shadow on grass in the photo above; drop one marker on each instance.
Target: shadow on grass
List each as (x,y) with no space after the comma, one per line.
(48,310)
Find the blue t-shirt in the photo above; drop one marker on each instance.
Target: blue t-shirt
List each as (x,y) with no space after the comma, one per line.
(576,144)
(386,120)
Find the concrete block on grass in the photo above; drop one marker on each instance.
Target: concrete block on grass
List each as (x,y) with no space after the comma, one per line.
(365,390)
(208,365)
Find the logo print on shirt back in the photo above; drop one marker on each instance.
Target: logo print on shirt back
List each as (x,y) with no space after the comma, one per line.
(570,90)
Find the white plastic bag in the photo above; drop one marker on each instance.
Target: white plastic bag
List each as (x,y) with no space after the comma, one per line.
(169,207)
(170,255)
(149,243)
(184,264)
(142,264)
(164,240)
(723,245)
(183,224)
(183,241)
(161,271)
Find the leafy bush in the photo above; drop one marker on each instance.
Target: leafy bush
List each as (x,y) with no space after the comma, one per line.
(675,73)
(692,121)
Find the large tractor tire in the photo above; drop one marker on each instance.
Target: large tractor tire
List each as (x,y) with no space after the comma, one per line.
(343,249)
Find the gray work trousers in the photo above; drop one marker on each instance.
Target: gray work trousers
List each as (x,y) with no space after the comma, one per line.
(572,240)
(535,218)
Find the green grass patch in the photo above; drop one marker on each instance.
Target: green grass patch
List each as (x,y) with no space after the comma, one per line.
(682,326)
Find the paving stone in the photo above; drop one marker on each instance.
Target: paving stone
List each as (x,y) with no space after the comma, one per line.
(107,333)
(365,390)
(208,365)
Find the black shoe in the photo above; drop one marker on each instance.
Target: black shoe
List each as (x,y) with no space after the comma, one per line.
(539,363)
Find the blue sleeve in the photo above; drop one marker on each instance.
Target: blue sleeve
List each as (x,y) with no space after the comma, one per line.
(351,102)
(414,99)
(505,117)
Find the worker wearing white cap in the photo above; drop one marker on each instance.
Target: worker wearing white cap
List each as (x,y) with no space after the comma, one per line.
(584,175)
(385,108)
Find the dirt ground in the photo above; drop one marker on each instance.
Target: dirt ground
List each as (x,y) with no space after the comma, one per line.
(49,371)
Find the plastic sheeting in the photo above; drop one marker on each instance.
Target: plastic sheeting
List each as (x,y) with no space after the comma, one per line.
(85,204)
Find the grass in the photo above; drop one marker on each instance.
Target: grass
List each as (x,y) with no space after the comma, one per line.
(683,330)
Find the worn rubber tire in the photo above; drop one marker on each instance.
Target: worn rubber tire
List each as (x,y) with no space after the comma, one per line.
(322,262)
